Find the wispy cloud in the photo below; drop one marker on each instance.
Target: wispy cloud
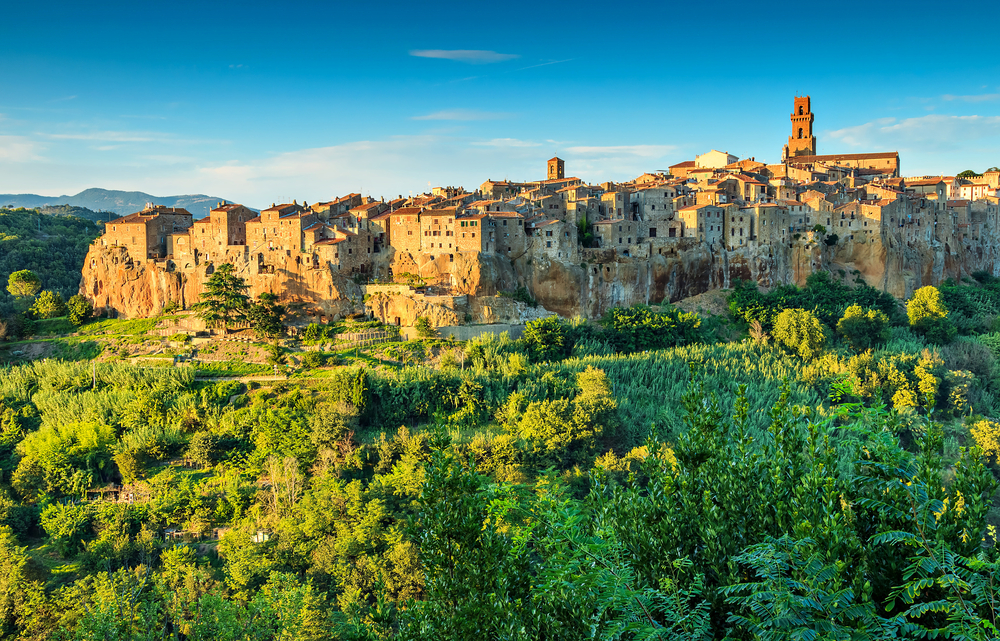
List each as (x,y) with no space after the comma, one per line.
(983,97)
(19,149)
(933,132)
(126,137)
(470,56)
(640,151)
(506,142)
(545,64)
(464,114)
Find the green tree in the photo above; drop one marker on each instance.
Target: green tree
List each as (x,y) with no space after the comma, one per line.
(800,331)
(547,339)
(929,316)
(224,300)
(203,448)
(79,308)
(49,304)
(265,316)
(863,329)
(968,173)
(276,355)
(23,284)
(570,431)
(424,327)
(637,328)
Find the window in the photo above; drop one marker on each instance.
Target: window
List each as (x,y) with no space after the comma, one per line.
(548,243)
(548,232)
(652,232)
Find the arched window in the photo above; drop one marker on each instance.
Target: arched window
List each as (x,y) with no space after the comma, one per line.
(800,132)
(801,112)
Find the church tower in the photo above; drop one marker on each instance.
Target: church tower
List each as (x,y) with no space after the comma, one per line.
(557,169)
(801,142)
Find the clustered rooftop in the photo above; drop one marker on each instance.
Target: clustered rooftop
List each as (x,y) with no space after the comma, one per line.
(718,200)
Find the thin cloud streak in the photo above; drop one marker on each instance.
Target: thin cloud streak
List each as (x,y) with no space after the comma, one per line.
(464,114)
(985,97)
(129,136)
(545,64)
(470,56)
(507,142)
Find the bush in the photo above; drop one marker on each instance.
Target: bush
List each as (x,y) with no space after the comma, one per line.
(638,328)
(863,329)
(929,316)
(203,449)
(312,360)
(546,339)
(79,309)
(424,327)
(801,332)
(49,304)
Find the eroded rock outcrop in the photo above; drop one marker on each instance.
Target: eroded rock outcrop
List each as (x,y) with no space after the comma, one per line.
(465,288)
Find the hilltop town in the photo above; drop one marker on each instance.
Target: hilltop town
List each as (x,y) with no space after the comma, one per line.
(575,248)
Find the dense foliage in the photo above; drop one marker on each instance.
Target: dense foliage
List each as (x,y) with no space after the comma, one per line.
(52,247)
(829,478)
(822,295)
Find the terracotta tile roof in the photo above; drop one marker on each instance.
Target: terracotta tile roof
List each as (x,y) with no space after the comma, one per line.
(438,212)
(611,221)
(681,165)
(405,211)
(835,157)
(368,206)
(958,203)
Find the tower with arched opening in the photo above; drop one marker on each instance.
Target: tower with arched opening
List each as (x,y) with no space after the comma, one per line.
(802,142)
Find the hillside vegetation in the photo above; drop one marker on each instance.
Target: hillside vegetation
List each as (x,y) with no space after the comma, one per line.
(830,473)
(53,246)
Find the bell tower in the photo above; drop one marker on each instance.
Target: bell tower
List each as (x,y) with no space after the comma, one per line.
(802,142)
(557,168)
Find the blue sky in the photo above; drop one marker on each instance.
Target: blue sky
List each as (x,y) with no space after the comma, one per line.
(263,102)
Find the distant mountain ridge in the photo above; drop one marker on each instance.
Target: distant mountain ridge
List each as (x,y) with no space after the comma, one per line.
(119,202)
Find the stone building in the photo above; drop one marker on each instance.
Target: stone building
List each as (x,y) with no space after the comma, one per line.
(703,222)
(148,233)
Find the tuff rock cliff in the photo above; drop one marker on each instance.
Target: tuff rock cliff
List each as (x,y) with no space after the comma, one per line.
(466,290)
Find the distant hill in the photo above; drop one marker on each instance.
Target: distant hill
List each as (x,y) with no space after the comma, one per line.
(79,212)
(119,202)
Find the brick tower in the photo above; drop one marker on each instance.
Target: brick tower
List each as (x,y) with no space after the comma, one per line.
(801,142)
(557,168)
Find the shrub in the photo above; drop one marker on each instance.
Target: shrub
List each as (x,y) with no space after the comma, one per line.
(929,317)
(79,309)
(986,433)
(801,332)
(49,304)
(637,328)
(863,329)
(546,339)
(312,359)
(203,448)
(424,327)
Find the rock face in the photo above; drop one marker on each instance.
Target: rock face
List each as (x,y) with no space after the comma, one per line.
(466,289)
